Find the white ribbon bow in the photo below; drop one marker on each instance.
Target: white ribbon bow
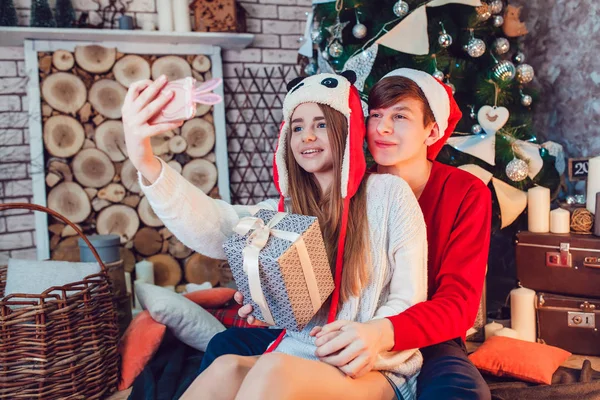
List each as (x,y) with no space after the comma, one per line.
(256,242)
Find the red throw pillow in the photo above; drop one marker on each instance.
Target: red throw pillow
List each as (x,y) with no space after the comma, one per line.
(144,335)
(527,361)
(138,345)
(211,298)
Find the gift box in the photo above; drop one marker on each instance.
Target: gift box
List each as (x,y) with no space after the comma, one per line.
(215,15)
(280,265)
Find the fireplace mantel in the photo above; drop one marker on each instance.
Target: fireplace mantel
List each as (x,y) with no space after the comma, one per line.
(15,36)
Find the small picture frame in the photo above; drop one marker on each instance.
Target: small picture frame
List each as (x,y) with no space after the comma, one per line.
(578,169)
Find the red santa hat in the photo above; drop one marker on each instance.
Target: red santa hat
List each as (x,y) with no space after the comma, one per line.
(441,101)
(338,92)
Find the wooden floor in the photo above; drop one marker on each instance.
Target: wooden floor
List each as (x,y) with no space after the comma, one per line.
(574,361)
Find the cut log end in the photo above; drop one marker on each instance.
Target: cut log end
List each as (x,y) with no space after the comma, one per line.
(199,269)
(167,271)
(147,241)
(95,59)
(201,173)
(64,92)
(63,60)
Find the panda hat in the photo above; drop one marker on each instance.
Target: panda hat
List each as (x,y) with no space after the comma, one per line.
(338,92)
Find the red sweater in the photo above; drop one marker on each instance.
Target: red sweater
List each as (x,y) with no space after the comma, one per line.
(457,207)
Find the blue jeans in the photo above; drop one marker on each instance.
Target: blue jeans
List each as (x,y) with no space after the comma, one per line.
(238,341)
(448,374)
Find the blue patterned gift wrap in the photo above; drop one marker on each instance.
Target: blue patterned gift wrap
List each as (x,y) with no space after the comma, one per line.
(281,275)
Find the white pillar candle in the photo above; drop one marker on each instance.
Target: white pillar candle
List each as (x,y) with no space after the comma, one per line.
(560,221)
(165,15)
(181,16)
(597,221)
(491,328)
(538,209)
(138,305)
(128,285)
(144,271)
(507,332)
(522,313)
(593,183)
(128,282)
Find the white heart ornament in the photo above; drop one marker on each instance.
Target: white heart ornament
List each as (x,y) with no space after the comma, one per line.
(492,119)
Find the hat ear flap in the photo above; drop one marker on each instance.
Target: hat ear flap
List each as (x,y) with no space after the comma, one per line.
(350,75)
(291,84)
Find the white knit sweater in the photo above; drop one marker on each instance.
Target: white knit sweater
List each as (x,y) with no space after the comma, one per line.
(398,252)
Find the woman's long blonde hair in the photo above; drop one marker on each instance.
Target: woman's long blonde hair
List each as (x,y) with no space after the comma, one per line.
(307,199)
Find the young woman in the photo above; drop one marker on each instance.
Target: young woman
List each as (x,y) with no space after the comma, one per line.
(372,227)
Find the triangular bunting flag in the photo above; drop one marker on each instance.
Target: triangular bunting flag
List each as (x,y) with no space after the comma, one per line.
(512,201)
(410,35)
(307,44)
(480,146)
(479,172)
(439,3)
(362,63)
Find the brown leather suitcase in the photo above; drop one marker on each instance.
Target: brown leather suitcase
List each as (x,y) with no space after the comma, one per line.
(566,264)
(570,323)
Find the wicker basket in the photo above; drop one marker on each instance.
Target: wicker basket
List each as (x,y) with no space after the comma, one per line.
(59,345)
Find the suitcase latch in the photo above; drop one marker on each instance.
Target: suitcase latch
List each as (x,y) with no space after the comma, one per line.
(582,320)
(591,262)
(562,259)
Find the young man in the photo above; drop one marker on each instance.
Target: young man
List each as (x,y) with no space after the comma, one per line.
(411,116)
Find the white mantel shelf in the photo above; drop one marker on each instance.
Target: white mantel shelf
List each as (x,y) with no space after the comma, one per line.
(15,36)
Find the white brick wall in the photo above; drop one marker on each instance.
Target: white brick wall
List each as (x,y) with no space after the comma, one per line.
(277,25)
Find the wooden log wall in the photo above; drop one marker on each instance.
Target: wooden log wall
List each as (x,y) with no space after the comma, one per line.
(89,177)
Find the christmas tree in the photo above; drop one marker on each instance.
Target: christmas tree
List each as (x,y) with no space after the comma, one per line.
(474,47)
(41,14)
(8,14)
(65,14)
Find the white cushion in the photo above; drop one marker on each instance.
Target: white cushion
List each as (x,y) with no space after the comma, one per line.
(35,277)
(189,322)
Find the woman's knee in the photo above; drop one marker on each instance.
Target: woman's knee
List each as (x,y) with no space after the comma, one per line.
(227,367)
(268,375)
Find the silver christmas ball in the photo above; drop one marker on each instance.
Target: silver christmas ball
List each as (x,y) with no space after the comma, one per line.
(519,57)
(525,73)
(517,170)
(335,49)
(476,47)
(476,129)
(526,100)
(501,45)
(316,36)
(359,31)
(445,40)
(498,20)
(484,12)
(401,9)
(311,68)
(570,200)
(496,6)
(437,74)
(451,86)
(503,71)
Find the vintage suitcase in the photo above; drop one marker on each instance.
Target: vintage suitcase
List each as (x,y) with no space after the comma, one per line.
(570,323)
(565,264)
